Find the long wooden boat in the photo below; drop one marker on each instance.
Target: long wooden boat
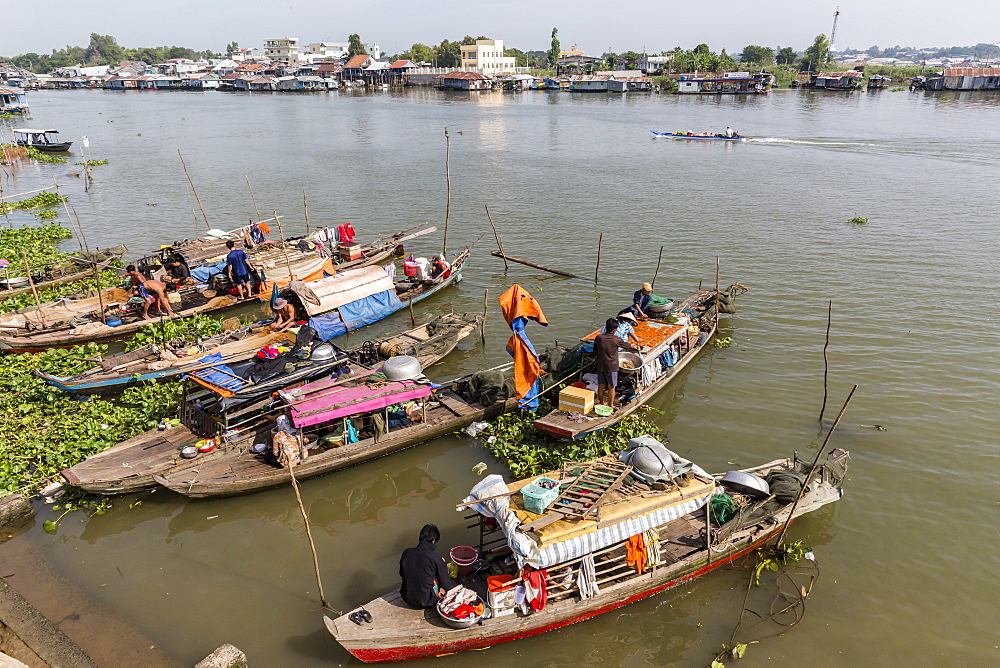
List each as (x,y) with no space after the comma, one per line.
(59,274)
(703,135)
(694,324)
(42,140)
(238,419)
(688,545)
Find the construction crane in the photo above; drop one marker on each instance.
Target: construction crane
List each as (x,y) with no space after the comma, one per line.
(833,32)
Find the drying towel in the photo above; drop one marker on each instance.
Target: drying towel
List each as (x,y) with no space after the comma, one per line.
(305,294)
(535,589)
(652,538)
(587,579)
(457,596)
(635,549)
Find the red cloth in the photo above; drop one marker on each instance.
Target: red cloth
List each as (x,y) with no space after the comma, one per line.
(346,233)
(463,611)
(537,581)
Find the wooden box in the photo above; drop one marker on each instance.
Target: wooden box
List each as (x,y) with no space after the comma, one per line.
(576,399)
(350,252)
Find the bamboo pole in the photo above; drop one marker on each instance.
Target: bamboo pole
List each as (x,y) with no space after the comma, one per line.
(708,532)
(826,360)
(194,214)
(486,306)
(193,189)
(284,248)
(447,176)
(252,198)
(413,320)
(97,270)
(657,272)
(533,264)
(717,288)
(815,463)
(600,242)
(31,192)
(305,520)
(68,216)
(31,282)
(305,208)
(497,235)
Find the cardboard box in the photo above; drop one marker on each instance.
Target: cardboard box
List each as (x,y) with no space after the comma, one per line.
(350,252)
(576,399)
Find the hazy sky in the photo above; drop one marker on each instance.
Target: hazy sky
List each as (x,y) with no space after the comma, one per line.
(594,26)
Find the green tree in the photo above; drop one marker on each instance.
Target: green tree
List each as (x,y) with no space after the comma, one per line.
(354,46)
(520,57)
(818,54)
(702,49)
(448,54)
(631,58)
(758,55)
(103,50)
(418,53)
(232,46)
(554,49)
(724,62)
(786,56)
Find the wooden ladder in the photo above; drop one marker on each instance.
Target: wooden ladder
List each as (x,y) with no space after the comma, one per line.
(586,494)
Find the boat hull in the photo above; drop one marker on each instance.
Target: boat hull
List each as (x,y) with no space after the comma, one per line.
(675,135)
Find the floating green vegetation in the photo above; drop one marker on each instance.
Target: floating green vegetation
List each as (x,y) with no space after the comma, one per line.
(37,242)
(175,332)
(723,342)
(93,163)
(41,199)
(40,156)
(46,214)
(109,278)
(897,89)
(526,452)
(857,220)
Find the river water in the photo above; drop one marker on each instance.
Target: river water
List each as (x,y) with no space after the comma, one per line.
(908,558)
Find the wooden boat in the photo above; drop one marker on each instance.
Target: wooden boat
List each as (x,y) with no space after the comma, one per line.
(689,544)
(694,323)
(60,273)
(42,140)
(238,419)
(702,135)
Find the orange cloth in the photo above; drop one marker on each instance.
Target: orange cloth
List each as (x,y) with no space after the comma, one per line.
(264,228)
(517,303)
(635,553)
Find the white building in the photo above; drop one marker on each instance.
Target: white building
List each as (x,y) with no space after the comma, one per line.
(486,56)
(284,49)
(373,50)
(325,51)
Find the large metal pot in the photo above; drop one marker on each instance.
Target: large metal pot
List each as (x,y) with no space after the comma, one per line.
(402,367)
(746,483)
(322,353)
(629,363)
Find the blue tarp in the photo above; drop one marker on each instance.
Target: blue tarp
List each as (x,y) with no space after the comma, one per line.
(206,271)
(530,400)
(328,325)
(215,374)
(371,309)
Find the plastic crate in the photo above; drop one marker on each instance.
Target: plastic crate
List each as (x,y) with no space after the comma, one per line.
(537,499)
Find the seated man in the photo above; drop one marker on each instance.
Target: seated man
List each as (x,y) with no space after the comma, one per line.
(626,327)
(439,268)
(178,273)
(423,572)
(284,315)
(640,301)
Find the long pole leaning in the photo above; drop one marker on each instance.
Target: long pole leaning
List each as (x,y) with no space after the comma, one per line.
(305,208)
(305,520)
(447,177)
(31,282)
(496,234)
(486,308)
(284,247)
(657,272)
(826,360)
(716,288)
(194,190)
(97,269)
(253,198)
(815,463)
(600,242)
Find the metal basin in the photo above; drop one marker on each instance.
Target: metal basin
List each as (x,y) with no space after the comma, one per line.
(746,483)
(629,362)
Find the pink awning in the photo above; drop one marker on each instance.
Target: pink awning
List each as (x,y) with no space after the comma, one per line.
(338,402)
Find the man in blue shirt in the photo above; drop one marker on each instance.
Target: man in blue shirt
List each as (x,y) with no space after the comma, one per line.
(238,267)
(640,301)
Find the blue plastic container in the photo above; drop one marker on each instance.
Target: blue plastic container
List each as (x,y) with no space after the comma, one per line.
(536,498)
(113,322)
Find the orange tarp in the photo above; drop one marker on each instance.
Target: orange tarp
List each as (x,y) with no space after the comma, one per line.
(518,307)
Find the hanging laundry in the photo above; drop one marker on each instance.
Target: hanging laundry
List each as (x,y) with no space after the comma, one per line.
(352,433)
(264,228)
(257,234)
(303,291)
(635,553)
(390,270)
(652,538)
(651,371)
(587,578)
(535,593)
(346,233)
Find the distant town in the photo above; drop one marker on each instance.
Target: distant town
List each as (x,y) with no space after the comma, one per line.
(284,64)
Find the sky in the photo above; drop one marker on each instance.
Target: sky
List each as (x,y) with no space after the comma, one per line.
(594,25)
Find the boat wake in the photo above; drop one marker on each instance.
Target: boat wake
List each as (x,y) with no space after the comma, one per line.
(806,142)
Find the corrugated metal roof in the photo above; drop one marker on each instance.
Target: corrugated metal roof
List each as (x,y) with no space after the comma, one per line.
(475,76)
(399,64)
(849,74)
(972,72)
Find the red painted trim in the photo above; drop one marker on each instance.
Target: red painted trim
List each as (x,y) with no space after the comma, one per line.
(425,651)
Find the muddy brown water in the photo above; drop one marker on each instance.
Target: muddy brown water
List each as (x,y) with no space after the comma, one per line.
(908,557)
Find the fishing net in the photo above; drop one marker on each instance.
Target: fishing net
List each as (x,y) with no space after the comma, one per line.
(487,387)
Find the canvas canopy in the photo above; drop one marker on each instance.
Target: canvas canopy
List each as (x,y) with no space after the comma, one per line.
(315,403)
(347,287)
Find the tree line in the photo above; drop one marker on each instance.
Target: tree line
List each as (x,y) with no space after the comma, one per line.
(102,50)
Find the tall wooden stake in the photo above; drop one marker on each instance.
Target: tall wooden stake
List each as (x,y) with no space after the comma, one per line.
(252,198)
(812,469)
(447,176)
(600,242)
(79,241)
(826,360)
(305,520)
(413,320)
(193,189)
(31,282)
(305,208)
(716,288)
(496,234)
(284,247)
(486,306)
(657,272)
(97,270)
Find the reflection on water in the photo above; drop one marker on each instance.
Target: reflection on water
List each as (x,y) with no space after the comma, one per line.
(557,170)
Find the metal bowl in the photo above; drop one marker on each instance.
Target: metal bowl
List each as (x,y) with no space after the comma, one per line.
(746,483)
(190,452)
(634,363)
(461,623)
(322,353)
(402,367)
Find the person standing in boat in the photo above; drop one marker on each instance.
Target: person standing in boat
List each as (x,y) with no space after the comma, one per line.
(151,291)
(238,267)
(606,347)
(424,574)
(640,302)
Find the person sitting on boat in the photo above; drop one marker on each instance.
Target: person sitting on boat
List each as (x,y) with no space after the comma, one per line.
(439,268)
(424,574)
(730,133)
(606,347)
(284,315)
(178,273)
(238,268)
(151,291)
(640,302)
(626,327)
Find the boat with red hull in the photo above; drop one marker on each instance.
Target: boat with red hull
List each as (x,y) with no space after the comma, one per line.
(685,544)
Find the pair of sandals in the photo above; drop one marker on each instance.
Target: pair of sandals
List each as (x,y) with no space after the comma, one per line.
(361,616)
